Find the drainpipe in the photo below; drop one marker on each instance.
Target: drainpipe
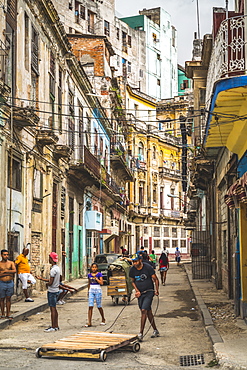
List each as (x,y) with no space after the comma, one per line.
(237,268)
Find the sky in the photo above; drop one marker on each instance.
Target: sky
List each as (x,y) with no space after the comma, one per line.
(183,17)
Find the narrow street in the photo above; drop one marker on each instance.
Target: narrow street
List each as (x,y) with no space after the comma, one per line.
(181,331)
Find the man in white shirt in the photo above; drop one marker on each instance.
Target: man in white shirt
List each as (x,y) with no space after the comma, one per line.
(52,285)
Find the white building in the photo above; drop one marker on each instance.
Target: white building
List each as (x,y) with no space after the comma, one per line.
(161,51)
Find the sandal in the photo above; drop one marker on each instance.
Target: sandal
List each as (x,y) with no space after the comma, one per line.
(2,317)
(102,323)
(9,317)
(87,326)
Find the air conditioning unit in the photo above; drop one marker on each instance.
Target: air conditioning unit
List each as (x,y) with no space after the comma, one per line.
(93,220)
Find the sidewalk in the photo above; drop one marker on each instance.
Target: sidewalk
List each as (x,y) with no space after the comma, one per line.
(229,345)
(21,309)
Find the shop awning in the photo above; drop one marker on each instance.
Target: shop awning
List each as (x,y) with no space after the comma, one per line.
(237,193)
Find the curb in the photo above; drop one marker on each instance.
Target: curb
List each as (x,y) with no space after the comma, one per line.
(207,319)
(21,315)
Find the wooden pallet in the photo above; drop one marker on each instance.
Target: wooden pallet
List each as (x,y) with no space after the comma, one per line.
(117,286)
(90,345)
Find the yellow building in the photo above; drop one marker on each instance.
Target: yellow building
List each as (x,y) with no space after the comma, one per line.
(156,207)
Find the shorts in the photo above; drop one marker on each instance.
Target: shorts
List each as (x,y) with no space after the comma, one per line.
(145,301)
(178,259)
(52,298)
(6,288)
(25,277)
(95,295)
(162,269)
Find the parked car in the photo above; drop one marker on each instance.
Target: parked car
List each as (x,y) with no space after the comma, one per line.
(103,261)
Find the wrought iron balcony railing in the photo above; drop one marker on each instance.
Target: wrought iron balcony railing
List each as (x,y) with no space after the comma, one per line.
(228,54)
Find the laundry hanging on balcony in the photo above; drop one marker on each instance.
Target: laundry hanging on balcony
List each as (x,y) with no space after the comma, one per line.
(237,193)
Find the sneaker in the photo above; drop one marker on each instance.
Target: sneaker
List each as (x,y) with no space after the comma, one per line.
(50,329)
(140,337)
(57,328)
(59,302)
(29,299)
(63,301)
(155,334)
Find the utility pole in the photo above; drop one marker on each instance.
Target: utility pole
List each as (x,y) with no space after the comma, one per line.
(182,120)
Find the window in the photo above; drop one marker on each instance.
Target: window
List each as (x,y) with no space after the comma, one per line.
(141,151)
(129,41)
(166,231)
(52,74)
(106,28)
(70,5)
(158,81)
(34,51)
(182,243)
(157,244)
(81,128)
(71,103)
(174,232)
(101,146)
(71,133)
(155,194)
(118,61)
(124,63)
(26,42)
(124,42)
(166,243)
(145,244)
(106,158)
(141,194)
(95,141)
(129,66)
(154,152)
(154,36)
(183,233)
(156,231)
(118,36)
(145,230)
(82,12)
(174,243)
(158,57)
(37,185)
(141,73)
(90,18)
(14,175)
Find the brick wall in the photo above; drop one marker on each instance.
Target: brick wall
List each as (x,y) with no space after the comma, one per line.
(35,252)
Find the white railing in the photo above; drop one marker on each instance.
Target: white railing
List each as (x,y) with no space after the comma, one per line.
(228,54)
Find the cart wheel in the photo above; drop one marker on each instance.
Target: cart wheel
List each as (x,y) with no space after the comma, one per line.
(37,352)
(136,347)
(115,301)
(103,356)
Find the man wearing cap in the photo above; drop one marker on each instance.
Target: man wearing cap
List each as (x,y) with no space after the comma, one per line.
(52,285)
(143,278)
(23,270)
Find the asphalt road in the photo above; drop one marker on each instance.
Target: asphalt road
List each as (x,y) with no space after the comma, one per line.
(181,332)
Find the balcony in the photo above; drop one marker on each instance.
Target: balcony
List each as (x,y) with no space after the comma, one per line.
(226,88)
(25,117)
(168,172)
(46,137)
(120,163)
(62,151)
(228,54)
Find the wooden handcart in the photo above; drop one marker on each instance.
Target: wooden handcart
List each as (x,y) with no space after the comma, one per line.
(120,284)
(88,345)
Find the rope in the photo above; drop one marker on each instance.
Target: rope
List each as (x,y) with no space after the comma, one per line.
(157,306)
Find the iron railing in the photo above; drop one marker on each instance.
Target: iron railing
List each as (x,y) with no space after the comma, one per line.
(228,54)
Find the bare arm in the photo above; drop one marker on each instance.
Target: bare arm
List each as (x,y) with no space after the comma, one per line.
(156,282)
(138,293)
(42,279)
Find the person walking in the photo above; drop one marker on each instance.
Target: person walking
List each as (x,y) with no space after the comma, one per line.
(23,270)
(177,256)
(95,280)
(152,257)
(143,278)
(52,285)
(7,272)
(163,266)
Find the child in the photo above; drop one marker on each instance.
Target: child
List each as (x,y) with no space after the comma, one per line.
(64,289)
(177,256)
(95,280)
(163,266)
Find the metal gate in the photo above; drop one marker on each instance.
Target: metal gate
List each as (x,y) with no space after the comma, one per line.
(201,257)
